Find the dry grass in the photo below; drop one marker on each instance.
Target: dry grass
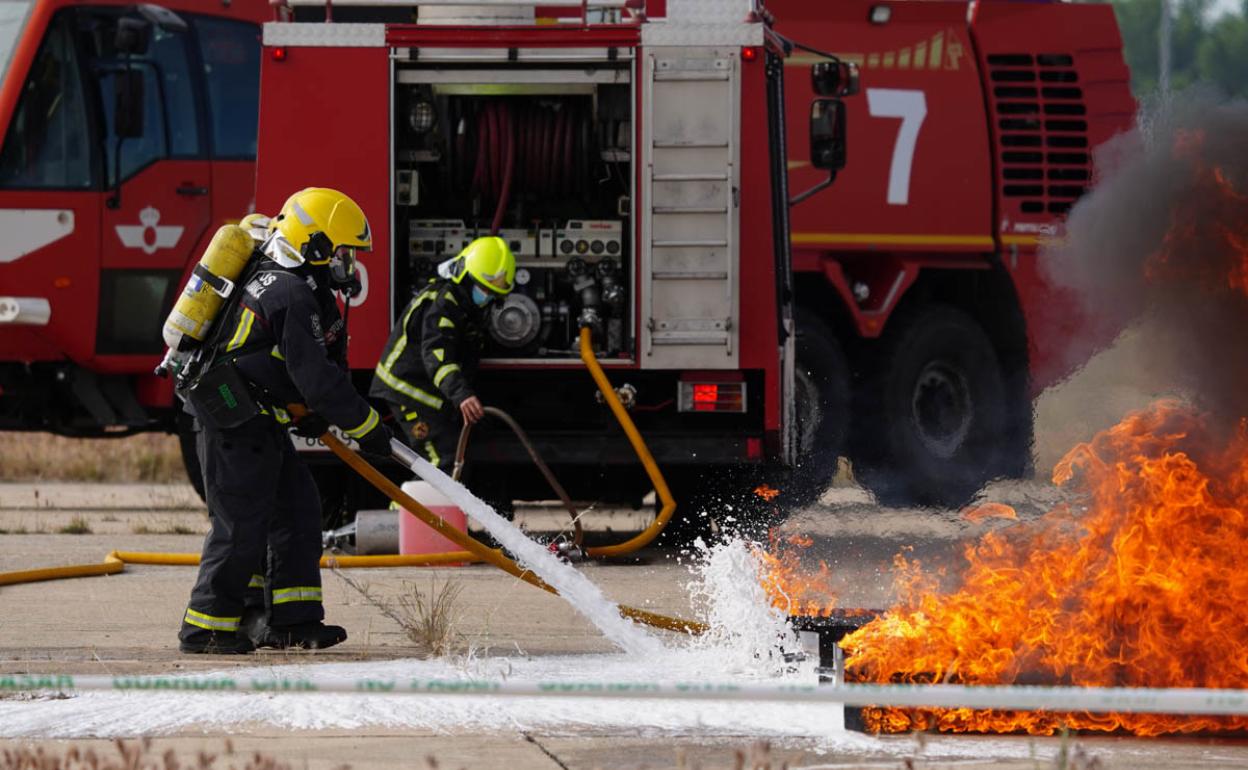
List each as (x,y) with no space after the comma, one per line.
(171,529)
(428,619)
(147,457)
(136,755)
(76,526)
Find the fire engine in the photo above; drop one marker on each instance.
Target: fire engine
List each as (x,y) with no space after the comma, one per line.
(662,171)
(127,133)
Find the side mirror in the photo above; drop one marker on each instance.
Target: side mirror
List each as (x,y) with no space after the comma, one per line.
(129,91)
(834,78)
(827,134)
(132,36)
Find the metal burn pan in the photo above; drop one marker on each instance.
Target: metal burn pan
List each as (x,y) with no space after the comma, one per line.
(822,635)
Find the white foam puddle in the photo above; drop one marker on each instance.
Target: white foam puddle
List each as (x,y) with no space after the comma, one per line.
(746,643)
(113,714)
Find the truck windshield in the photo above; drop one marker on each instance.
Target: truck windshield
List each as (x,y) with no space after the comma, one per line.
(12,18)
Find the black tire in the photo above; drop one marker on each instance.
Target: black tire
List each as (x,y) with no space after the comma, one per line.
(333,484)
(190,455)
(822,410)
(933,415)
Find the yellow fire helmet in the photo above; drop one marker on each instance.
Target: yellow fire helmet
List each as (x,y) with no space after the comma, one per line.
(490,263)
(315,223)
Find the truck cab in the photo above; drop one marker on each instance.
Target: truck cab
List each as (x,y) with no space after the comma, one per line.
(127,135)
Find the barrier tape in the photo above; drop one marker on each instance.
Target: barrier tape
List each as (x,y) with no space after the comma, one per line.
(1017,698)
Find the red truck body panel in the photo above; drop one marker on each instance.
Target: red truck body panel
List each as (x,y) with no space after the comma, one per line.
(317,141)
(917,70)
(959,205)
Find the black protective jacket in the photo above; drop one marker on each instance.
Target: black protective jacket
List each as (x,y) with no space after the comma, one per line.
(287,339)
(433,352)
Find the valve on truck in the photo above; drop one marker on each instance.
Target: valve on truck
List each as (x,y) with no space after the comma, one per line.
(212,281)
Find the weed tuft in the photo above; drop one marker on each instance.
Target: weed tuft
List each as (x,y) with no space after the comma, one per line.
(76,526)
(428,619)
(172,529)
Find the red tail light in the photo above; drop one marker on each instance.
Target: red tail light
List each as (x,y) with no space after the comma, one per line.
(711,397)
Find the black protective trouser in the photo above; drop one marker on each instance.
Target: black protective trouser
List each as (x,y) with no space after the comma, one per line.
(433,433)
(265,513)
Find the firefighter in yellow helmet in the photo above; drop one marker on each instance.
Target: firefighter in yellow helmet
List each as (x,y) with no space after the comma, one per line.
(427,370)
(280,340)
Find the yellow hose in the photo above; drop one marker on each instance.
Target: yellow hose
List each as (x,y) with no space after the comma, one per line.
(116,562)
(643,538)
(110,566)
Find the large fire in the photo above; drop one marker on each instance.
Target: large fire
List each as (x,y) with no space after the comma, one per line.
(1137,581)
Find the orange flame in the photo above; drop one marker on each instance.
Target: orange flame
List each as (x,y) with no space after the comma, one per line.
(1138,581)
(792,588)
(989,511)
(766,492)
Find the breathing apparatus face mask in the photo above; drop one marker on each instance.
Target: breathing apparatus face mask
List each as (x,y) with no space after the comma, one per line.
(343,274)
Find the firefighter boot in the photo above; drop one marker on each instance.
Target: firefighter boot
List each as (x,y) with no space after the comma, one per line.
(216,643)
(307,636)
(254,624)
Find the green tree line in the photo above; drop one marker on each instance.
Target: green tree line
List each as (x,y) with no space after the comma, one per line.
(1202,50)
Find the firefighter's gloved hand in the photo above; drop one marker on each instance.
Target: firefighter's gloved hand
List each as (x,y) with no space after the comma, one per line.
(376,443)
(311,425)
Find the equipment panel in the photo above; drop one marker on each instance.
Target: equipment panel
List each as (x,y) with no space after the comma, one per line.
(541,158)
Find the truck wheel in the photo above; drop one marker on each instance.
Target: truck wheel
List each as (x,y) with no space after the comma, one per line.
(332,483)
(821,380)
(190,456)
(934,413)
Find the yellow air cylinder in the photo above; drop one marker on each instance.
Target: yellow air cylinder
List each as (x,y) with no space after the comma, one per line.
(192,316)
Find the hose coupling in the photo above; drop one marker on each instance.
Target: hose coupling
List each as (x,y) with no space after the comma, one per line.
(626,393)
(567,551)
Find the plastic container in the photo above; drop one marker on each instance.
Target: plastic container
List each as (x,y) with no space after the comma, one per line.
(417,537)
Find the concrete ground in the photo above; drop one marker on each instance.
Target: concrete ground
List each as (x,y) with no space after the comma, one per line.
(126,624)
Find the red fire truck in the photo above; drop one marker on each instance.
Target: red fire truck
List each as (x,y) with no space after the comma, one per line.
(127,134)
(651,165)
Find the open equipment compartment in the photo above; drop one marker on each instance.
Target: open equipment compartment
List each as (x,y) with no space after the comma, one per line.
(539,153)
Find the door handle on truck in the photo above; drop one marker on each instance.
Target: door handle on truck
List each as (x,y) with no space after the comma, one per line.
(190,189)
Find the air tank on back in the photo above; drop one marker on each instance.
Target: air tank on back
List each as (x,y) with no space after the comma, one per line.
(212,280)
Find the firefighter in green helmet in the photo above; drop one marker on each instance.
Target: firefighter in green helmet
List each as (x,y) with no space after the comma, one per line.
(428,368)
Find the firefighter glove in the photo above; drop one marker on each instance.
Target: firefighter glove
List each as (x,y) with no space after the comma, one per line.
(376,443)
(311,425)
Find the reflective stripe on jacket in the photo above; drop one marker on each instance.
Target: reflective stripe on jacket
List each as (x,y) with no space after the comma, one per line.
(433,350)
(287,338)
